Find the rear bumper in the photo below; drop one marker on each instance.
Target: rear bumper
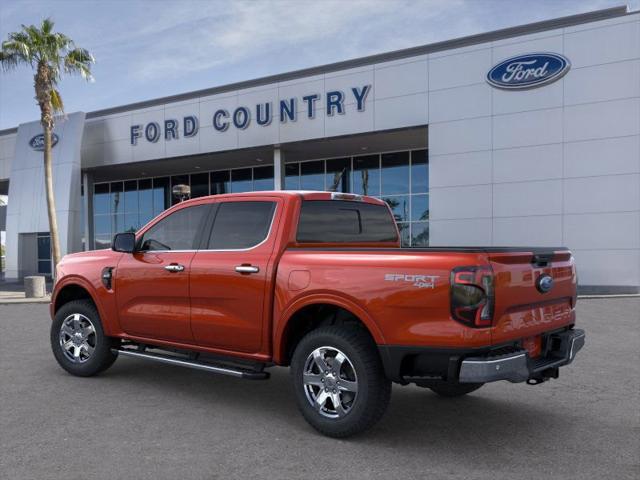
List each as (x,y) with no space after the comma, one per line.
(422,365)
(518,367)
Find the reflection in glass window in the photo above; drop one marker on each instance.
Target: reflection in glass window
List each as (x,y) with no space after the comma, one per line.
(145,199)
(404,234)
(399,206)
(419,208)
(312,175)
(338,175)
(395,173)
(117,198)
(178,231)
(419,171)
(241,225)
(131,204)
(263,178)
(102,225)
(199,185)
(292,176)
(161,195)
(101,198)
(220,182)
(366,175)
(241,180)
(420,234)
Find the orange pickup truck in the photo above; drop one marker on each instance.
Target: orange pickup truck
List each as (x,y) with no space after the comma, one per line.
(235,284)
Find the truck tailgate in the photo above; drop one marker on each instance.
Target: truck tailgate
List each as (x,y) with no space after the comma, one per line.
(527,302)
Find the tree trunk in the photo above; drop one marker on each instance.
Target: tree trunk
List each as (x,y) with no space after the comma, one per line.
(43,86)
(51,201)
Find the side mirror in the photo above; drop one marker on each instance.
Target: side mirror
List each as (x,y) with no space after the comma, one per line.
(124,242)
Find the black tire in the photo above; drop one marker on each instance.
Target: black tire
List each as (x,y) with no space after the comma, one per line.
(373,388)
(446,389)
(101,357)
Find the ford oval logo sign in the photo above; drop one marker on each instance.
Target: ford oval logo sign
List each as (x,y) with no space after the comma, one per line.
(544,283)
(37,142)
(528,71)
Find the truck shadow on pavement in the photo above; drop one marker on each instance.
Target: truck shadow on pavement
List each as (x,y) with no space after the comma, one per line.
(416,418)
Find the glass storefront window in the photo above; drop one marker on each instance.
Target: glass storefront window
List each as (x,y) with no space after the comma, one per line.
(338,175)
(101,198)
(399,206)
(199,185)
(241,180)
(312,175)
(220,182)
(145,199)
(292,176)
(161,195)
(419,171)
(395,173)
(419,208)
(400,178)
(131,206)
(405,239)
(263,178)
(44,253)
(366,175)
(420,234)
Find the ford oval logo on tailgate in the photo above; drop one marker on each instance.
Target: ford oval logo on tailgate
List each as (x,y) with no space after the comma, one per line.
(544,283)
(528,71)
(37,142)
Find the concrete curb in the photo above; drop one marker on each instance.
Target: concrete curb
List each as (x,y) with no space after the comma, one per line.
(23,300)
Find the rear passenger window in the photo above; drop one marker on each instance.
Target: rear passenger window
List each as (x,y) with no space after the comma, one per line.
(178,231)
(240,225)
(338,221)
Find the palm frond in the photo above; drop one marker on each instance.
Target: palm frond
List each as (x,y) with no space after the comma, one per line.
(56,101)
(47,26)
(79,61)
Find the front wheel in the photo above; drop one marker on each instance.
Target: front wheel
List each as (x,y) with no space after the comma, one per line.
(339,381)
(78,340)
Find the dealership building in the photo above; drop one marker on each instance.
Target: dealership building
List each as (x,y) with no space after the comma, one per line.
(528,135)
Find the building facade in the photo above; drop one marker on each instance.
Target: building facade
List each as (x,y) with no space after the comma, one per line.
(523,136)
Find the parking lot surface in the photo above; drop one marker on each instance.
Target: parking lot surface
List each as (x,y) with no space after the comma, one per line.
(143,420)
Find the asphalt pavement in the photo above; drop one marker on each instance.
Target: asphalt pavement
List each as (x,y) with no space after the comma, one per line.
(140,420)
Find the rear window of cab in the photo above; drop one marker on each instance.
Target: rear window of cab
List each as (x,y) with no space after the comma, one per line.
(340,221)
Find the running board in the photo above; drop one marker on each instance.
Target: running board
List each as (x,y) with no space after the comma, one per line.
(232,372)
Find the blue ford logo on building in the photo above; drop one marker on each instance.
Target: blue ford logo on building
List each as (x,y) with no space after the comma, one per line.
(528,71)
(37,142)
(544,283)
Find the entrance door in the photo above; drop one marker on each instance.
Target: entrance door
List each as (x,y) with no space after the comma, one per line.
(152,285)
(229,277)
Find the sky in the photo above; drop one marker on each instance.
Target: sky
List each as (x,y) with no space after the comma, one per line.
(150,49)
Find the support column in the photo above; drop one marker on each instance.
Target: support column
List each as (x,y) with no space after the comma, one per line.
(278,168)
(87,220)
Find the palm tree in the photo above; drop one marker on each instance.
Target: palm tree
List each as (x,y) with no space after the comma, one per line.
(50,54)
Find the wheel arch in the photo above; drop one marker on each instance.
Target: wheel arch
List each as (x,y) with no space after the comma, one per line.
(76,288)
(317,310)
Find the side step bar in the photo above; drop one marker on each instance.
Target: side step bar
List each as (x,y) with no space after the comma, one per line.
(207,367)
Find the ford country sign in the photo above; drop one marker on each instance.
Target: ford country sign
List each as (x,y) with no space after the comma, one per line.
(528,71)
(37,142)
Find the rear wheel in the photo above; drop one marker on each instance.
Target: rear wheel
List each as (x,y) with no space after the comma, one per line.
(78,340)
(445,389)
(339,381)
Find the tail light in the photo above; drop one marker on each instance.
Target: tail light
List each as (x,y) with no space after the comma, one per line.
(472,296)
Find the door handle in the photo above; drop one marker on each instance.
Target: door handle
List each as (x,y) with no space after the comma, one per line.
(247,269)
(174,268)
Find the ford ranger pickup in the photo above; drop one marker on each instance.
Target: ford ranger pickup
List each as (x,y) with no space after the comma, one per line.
(235,284)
